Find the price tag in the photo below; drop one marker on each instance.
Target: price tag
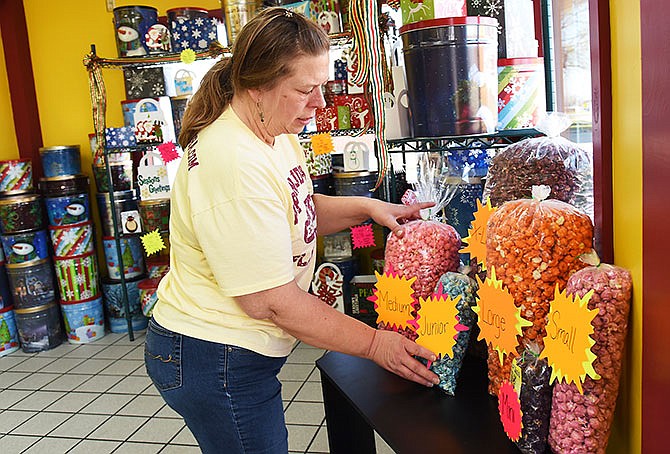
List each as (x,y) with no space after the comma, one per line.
(499,319)
(567,345)
(394,300)
(437,322)
(362,236)
(509,407)
(476,239)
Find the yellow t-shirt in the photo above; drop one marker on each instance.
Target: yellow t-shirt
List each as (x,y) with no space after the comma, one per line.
(242,220)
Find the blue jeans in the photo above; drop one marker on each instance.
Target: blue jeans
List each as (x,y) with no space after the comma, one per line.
(229,397)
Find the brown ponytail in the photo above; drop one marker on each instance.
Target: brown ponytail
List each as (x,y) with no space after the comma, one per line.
(262,56)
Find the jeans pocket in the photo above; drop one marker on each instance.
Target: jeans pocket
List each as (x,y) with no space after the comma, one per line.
(162,356)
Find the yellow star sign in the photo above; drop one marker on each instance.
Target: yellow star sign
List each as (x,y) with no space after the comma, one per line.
(152,242)
(394,300)
(568,343)
(437,320)
(499,319)
(476,238)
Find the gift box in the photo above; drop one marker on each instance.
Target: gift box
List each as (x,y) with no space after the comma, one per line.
(120,137)
(144,82)
(326,119)
(415,11)
(361,114)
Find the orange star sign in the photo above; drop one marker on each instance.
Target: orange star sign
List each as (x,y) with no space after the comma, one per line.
(476,238)
(499,319)
(437,320)
(394,300)
(568,343)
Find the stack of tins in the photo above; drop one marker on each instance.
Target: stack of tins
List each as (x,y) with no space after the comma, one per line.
(155,215)
(66,191)
(28,265)
(9,340)
(129,264)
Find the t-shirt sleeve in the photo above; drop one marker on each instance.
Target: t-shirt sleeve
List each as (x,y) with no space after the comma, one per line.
(247,244)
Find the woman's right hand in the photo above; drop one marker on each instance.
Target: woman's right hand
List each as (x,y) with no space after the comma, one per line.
(395,353)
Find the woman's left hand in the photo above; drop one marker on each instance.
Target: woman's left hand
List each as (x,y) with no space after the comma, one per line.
(391,215)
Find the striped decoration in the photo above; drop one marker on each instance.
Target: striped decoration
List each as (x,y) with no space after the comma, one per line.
(368,52)
(71,240)
(521,98)
(77,277)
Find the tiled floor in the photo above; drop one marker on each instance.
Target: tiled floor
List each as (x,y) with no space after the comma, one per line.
(97,398)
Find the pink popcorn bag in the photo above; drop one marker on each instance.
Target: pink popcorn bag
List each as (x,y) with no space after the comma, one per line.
(583,422)
(428,247)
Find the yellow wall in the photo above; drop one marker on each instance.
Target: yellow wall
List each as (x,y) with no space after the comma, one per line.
(627,192)
(9,149)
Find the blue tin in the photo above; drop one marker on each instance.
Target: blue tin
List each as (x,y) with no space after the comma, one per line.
(132,25)
(132,258)
(191,28)
(61,161)
(114,311)
(9,336)
(31,283)
(6,299)
(84,320)
(39,327)
(69,209)
(473,162)
(25,246)
(460,211)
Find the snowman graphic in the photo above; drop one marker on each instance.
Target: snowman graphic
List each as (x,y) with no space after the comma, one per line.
(129,42)
(75,212)
(23,252)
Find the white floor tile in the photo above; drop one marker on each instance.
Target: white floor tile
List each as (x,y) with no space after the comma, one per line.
(79,426)
(310,392)
(7,379)
(33,364)
(130,385)
(15,444)
(51,445)
(139,339)
(289,389)
(86,351)
(62,350)
(143,406)
(307,413)
(110,338)
(151,391)
(35,380)
(299,437)
(114,352)
(158,430)
(41,424)
(99,383)
(62,365)
(122,367)
(10,361)
(9,397)
(117,428)
(107,404)
(184,437)
(65,382)
(315,376)
(136,353)
(305,356)
(72,402)
(382,447)
(167,412)
(95,447)
(91,366)
(38,400)
(295,372)
(138,448)
(320,442)
(10,419)
(180,449)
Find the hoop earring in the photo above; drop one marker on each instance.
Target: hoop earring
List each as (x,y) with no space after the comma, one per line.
(261,115)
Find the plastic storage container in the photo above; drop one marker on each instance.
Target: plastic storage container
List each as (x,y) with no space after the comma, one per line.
(452,82)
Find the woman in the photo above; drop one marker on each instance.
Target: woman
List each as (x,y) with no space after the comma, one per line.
(243,233)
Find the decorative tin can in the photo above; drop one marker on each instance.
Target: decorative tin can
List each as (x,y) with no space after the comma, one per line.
(237,13)
(521,92)
(157,39)
(179,104)
(132,24)
(143,83)
(155,214)
(114,310)
(72,240)
(77,277)
(355,183)
(25,246)
(148,296)
(61,186)
(460,211)
(378,261)
(16,176)
(39,327)
(21,213)
(6,299)
(132,258)
(69,209)
(337,245)
(84,320)
(61,161)
(9,337)
(191,28)
(157,266)
(32,284)
(323,184)
(124,202)
(122,176)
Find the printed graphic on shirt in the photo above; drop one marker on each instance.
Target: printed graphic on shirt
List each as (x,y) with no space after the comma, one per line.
(304,211)
(192,155)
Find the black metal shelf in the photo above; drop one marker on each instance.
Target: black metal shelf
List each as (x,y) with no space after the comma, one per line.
(498,139)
